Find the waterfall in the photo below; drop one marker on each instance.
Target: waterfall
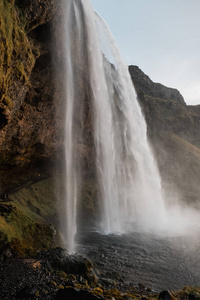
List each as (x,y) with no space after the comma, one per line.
(127,173)
(129,179)
(72,50)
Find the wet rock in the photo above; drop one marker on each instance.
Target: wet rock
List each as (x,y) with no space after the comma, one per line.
(165,295)
(76,294)
(59,259)
(192,296)
(141,286)
(28,292)
(7,253)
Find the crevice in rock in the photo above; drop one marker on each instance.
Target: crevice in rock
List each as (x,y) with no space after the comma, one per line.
(3,119)
(41,33)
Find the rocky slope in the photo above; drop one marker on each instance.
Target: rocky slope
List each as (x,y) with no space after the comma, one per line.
(56,275)
(173,129)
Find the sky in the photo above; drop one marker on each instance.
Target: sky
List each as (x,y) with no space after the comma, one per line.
(161,37)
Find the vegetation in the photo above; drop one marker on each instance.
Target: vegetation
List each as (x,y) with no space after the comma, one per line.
(16,55)
(23,217)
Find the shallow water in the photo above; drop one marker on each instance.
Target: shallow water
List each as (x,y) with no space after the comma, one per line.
(157,262)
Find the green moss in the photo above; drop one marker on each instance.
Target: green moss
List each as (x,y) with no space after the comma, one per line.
(38,201)
(8,102)
(16,55)
(25,228)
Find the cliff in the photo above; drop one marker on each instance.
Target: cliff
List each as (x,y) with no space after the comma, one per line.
(28,140)
(27,137)
(173,130)
(32,106)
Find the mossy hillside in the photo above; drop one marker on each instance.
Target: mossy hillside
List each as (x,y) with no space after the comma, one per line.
(36,205)
(16,53)
(26,227)
(179,164)
(38,200)
(163,114)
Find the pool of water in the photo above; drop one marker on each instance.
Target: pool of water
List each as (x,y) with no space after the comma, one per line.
(143,258)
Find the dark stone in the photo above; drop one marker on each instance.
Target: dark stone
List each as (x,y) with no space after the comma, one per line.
(7,253)
(27,293)
(59,259)
(192,296)
(75,294)
(69,293)
(5,209)
(141,286)
(3,119)
(165,295)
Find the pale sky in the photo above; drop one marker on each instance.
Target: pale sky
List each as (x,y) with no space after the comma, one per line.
(161,37)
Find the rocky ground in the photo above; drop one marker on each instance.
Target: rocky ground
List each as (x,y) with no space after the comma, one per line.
(56,275)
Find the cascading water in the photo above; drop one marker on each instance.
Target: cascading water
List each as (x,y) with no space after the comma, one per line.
(127,174)
(129,180)
(71,35)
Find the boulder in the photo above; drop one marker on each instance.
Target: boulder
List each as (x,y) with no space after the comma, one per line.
(76,294)
(166,295)
(59,259)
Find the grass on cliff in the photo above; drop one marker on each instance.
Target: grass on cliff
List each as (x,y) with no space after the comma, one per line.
(38,201)
(179,163)
(16,55)
(26,227)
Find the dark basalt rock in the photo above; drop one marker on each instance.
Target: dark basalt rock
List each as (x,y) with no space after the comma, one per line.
(75,294)
(28,292)
(192,296)
(165,295)
(59,259)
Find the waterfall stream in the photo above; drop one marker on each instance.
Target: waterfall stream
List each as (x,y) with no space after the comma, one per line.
(128,177)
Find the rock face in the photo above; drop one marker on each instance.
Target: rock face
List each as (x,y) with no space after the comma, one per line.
(144,85)
(32,108)
(173,129)
(28,137)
